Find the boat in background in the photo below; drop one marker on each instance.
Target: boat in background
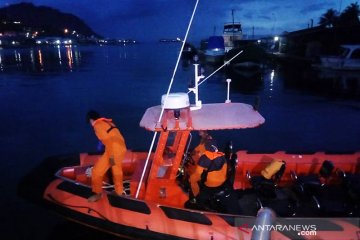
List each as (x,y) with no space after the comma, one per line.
(214,51)
(215,47)
(348,59)
(250,62)
(232,33)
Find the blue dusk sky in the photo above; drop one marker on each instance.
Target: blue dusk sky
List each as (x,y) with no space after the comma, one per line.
(149,20)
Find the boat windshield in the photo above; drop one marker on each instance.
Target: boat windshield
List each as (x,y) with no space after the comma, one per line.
(344,51)
(232,27)
(355,54)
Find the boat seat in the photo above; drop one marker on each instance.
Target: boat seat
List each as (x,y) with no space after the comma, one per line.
(329,200)
(308,185)
(225,201)
(351,185)
(266,183)
(269,194)
(333,201)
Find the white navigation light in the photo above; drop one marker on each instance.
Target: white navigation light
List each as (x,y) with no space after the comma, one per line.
(175,101)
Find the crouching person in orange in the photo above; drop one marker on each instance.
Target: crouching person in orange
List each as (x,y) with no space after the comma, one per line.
(115,150)
(211,189)
(198,151)
(209,175)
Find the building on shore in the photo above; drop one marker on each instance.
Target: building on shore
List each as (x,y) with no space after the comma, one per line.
(308,44)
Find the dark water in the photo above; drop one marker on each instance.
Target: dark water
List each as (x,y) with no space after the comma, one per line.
(46,92)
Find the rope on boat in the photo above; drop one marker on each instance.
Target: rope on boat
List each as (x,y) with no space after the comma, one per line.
(166,97)
(227,62)
(107,185)
(75,206)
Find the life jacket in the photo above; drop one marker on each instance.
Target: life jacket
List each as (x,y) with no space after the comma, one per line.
(273,169)
(108,121)
(215,169)
(107,131)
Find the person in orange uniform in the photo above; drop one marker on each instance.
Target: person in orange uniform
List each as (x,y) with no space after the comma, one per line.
(210,173)
(115,149)
(198,151)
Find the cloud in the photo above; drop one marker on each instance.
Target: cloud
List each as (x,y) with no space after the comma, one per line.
(315,8)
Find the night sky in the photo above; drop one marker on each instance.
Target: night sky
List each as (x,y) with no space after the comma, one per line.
(149,20)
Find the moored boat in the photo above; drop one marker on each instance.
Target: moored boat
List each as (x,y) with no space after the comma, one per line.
(348,59)
(251,62)
(215,50)
(232,33)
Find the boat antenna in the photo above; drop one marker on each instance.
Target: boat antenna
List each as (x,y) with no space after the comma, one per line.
(233,23)
(166,97)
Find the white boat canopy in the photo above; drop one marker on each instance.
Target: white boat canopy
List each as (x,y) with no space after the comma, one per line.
(216,116)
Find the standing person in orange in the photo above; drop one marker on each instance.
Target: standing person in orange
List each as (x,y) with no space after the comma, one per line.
(115,149)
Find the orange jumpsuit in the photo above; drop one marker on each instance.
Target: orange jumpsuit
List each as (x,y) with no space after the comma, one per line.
(217,175)
(115,150)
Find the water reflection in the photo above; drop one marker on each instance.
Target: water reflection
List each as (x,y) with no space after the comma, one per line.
(59,55)
(345,82)
(40,59)
(69,56)
(1,64)
(270,78)
(330,83)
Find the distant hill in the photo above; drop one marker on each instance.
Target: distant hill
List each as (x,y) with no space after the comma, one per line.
(47,20)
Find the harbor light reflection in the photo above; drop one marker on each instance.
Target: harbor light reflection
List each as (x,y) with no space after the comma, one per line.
(69,56)
(41,61)
(1,64)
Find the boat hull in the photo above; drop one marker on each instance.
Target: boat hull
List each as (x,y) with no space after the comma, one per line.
(129,217)
(116,214)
